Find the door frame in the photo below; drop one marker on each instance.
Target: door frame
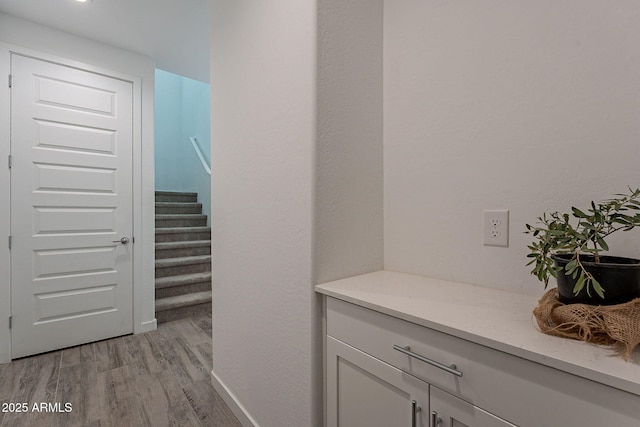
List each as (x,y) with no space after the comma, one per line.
(6,50)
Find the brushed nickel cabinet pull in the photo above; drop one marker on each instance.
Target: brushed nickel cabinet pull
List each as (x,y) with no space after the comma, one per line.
(407,350)
(435,420)
(414,413)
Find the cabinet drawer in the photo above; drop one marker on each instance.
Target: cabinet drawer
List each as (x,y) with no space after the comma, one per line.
(521,391)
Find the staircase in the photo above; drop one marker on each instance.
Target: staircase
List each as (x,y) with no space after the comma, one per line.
(183,257)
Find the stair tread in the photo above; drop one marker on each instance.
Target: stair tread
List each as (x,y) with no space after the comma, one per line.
(182,193)
(170,230)
(187,260)
(183,279)
(181,208)
(182,244)
(194,298)
(172,196)
(174,204)
(180,216)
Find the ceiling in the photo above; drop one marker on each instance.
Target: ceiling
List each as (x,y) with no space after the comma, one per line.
(173,32)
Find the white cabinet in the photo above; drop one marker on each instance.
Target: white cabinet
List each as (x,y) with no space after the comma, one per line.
(362,391)
(371,382)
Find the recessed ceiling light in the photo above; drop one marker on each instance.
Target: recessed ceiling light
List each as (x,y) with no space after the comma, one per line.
(81,1)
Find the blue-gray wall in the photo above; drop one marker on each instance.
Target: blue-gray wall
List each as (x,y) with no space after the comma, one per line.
(182,110)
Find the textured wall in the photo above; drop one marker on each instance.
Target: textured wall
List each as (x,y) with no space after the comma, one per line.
(348,210)
(265,312)
(482,104)
(526,106)
(297,189)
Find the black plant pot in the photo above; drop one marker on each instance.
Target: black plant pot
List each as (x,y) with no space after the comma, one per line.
(619,277)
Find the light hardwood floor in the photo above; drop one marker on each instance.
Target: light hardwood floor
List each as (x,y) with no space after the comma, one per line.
(160,378)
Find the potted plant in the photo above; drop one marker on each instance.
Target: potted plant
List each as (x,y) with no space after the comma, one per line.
(569,246)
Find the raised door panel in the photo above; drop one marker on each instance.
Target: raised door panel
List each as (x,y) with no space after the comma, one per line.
(364,392)
(449,411)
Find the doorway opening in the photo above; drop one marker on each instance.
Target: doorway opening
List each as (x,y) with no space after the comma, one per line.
(183,196)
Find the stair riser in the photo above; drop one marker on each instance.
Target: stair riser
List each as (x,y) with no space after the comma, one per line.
(196,208)
(182,237)
(183,289)
(181,222)
(182,312)
(182,252)
(176,198)
(167,282)
(183,269)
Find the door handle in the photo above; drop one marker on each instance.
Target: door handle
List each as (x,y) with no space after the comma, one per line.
(124,240)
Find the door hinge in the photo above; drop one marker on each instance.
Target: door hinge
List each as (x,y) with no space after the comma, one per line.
(10,321)
(10,80)
(10,161)
(9,242)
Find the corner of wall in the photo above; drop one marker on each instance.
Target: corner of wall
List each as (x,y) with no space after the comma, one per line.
(349,157)
(5,210)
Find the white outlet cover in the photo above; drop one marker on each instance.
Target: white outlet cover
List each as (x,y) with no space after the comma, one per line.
(495,227)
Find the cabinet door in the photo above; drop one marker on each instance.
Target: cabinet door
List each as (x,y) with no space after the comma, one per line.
(449,411)
(363,391)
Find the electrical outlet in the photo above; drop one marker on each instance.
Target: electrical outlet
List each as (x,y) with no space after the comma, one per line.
(495,227)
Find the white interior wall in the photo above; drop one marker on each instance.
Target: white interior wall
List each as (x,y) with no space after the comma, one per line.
(296,191)
(42,39)
(482,104)
(526,106)
(348,209)
(5,214)
(263,132)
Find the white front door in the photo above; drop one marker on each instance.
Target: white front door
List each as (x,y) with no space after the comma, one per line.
(71,204)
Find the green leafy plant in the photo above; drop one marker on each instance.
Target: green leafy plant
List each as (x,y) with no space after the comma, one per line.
(555,234)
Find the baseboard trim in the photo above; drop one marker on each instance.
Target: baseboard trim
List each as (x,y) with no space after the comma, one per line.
(5,357)
(148,326)
(232,401)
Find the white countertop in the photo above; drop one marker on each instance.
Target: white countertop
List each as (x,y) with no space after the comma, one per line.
(493,318)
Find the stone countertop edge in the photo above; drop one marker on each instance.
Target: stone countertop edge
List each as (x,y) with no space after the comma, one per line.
(493,318)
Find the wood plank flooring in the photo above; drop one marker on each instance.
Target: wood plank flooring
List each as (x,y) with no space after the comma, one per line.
(160,378)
